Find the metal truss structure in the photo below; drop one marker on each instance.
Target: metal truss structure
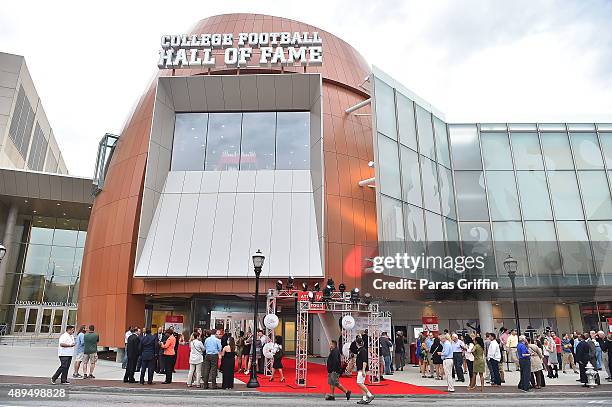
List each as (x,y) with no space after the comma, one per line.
(338,303)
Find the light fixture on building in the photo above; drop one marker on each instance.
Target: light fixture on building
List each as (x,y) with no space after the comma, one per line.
(317,287)
(304,286)
(327,293)
(331,284)
(367,298)
(342,288)
(279,285)
(311,296)
(2,251)
(355,295)
(290,283)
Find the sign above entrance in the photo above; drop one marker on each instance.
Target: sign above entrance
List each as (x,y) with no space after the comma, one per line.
(272,49)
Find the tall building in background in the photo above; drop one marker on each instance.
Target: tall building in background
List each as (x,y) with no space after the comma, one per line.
(27,139)
(44,213)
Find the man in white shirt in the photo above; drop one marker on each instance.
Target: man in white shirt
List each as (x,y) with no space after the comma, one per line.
(127,335)
(494,357)
(65,351)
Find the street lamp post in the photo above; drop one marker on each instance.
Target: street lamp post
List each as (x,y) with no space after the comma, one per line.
(258,260)
(511,265)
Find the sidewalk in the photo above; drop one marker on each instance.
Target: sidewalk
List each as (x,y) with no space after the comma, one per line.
(34,366)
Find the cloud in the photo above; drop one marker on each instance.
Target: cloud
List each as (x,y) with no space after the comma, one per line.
(474,60)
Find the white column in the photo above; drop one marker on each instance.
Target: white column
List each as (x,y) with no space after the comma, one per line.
(485,315)
(9,230)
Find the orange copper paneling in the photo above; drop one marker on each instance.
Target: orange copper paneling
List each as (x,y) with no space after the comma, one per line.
(112,299)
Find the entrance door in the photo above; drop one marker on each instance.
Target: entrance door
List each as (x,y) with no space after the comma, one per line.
(42,320)
(26,320)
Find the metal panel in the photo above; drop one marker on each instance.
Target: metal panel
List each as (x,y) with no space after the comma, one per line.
(231,92)
(246,181)
(229,181)
(301,181)
(264,181)
(174,182)
(283,180)
(164,235)
(197,94)
(142,268)
(180,95)
(218,261)
(210,182)
(266,93)
(214,93)
(248,92)
(261,230)
(193,180)
(281,235)
(301,204)
(21,183)
(183,235)
(240,252)
(203,231)
(284,91)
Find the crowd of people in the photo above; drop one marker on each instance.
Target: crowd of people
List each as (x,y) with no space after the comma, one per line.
(448,356)
(210,352)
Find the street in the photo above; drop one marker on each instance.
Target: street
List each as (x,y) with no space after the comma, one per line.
(101,399)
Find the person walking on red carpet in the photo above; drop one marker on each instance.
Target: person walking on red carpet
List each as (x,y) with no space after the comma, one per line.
(362,367)
(334,370)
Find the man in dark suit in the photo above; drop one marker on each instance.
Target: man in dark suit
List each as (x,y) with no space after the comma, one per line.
(148,350)
(583,356)
(133,351)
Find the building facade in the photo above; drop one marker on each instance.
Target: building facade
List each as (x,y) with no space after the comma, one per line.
(44,213)
(323,164)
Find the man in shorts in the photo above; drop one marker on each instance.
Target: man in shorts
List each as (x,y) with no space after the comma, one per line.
(90,352)
(78,352)
(334,370)
(362,367)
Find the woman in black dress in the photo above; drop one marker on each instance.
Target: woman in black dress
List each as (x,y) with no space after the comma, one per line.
(228,360)
(278,358)
(436,347)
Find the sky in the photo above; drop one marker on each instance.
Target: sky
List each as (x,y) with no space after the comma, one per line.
(474,60)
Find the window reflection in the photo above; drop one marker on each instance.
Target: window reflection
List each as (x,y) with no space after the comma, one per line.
(542,247)
(425,133)
(258,139)
(389,171)
(431,192)
(595,194)
(565,196)
(405,119)
(557,153)
(385,109)
(471,198)
(465,148)
(503,199)
(526,149)
(411,178)
(586,151)
(534,195)
(223,142)
(189,144)
(292,140)
(441,142)
(496,151)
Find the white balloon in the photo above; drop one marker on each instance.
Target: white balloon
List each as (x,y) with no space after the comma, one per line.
(271,321)
(348,322)
(269,350)
(346,350)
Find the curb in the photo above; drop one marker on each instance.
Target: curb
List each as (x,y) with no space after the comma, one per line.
(254,393)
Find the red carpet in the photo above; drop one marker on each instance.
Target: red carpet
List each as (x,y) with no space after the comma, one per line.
(317,383)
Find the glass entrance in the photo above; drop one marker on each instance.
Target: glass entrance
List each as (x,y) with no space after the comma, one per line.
(42,320)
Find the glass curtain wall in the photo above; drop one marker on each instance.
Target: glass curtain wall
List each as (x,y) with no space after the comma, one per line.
(413,168)
(241,141)
(544,193)
(49,263)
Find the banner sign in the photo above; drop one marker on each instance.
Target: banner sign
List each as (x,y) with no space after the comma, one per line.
(430,324)
(175,322)
(273,49)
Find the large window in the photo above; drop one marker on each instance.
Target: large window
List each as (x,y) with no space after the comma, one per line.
(385,110)
(49,267)
(245,141)
(405,119)
(389,168)
(496,151)
(503,199)
(557,151)
(22,122)
(534,195)
(526,148)
(565,195)
(465,148)
(425,133)
(471,198)
(586,151)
